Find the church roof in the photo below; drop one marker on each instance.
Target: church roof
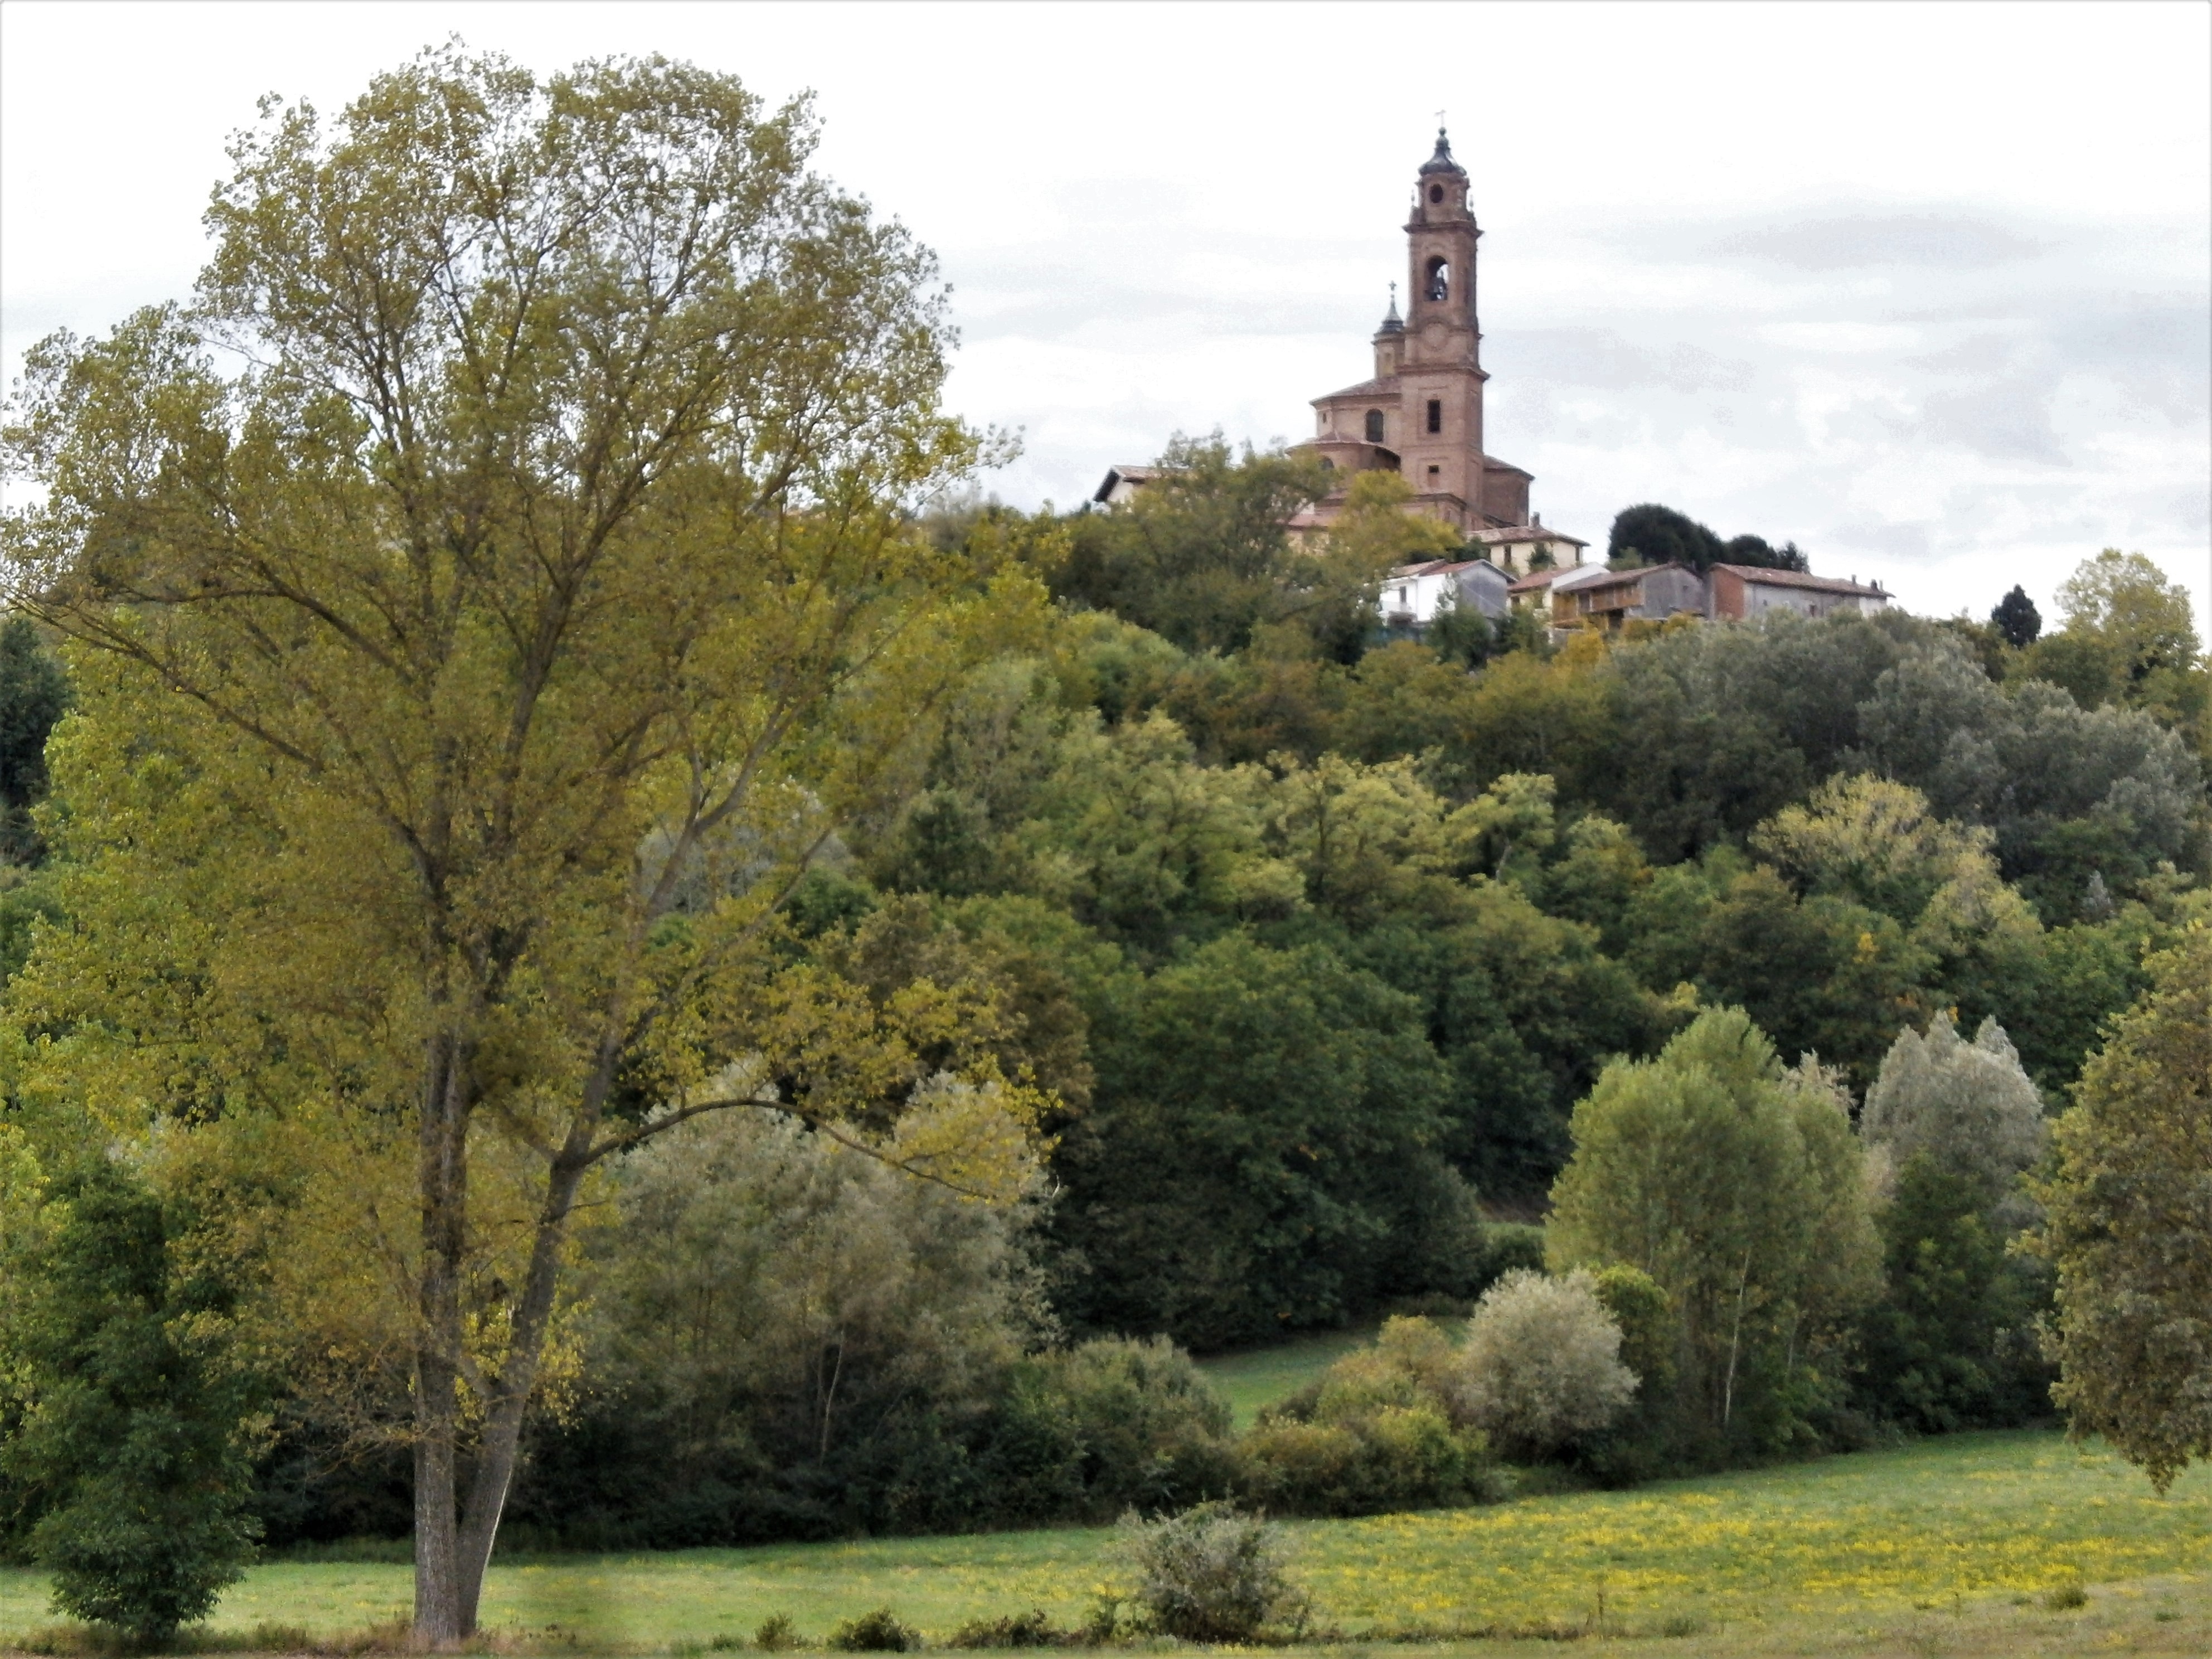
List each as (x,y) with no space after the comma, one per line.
(1442,161)
(1386,386)
(1526,532)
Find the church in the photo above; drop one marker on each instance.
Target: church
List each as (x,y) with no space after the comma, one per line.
(1420,414)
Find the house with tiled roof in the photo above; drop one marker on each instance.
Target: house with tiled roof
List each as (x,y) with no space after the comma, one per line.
(1744,591)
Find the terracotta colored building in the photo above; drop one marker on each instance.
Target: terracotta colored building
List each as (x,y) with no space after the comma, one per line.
(1421,412)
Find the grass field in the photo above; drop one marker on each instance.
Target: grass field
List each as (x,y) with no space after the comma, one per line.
(1956,1539)
(1263,1375)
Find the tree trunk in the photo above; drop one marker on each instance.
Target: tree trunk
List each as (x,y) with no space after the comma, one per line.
(502,1438)
(441,1618)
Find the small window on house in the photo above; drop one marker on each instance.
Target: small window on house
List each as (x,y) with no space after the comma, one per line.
(1434,471)
(1435,193)
(1436,414)
(1438,286)
(1374,426)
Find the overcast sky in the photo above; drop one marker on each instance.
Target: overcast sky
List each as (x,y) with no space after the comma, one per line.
(1924,288)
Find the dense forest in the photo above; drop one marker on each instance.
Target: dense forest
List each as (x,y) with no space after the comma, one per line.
(1312,938)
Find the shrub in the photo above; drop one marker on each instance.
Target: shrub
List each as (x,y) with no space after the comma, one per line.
(776,1634)
(1376,1432)
(1402,1457)
(879,1631)
(1153,1433)
(1033,1629)
(1211,1574)
(1541,1364)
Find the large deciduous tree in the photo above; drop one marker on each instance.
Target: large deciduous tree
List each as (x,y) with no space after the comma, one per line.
(1739,1187)
(490,594)
(2129,1225)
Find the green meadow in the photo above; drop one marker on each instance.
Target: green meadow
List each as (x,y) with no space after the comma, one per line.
(1261,1377)
(1963,1539)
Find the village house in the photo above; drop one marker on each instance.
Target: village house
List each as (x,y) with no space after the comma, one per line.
(1727,592)
(1413,594)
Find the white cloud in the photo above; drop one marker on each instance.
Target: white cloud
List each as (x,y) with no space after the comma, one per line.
(1922,289)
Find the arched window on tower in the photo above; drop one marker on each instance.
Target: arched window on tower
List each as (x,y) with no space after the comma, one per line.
(1439,287)
(1374,426)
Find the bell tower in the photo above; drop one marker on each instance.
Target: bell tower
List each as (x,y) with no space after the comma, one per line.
(1421,413)
(1439,366)
(1440,264)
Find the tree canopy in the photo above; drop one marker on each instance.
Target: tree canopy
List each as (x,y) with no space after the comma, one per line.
(1651,534)
(476,674)
(2127,1228)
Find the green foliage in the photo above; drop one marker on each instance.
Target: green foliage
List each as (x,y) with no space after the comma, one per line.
(790,1337)
(2017,619)
(1951,1342)
(2126,1227)
(1654,534)
(1200,556)
(1139,1426)
(1033,1629)
(1738,1188)
(1259,1155)
(1461,634)
(2129,639)
(1650,1333)
(1211,1574)
(33,691)
(502,582)
(1966,1107)
(1514,1246)
(1541,1366)
(1384,1428)
(128,1417)
(876,1632)
(776,1634)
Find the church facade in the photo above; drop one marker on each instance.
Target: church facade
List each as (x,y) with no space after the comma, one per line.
(1420,414)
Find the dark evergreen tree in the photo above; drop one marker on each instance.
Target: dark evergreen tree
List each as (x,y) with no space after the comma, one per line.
(1660,535)
(2018,619)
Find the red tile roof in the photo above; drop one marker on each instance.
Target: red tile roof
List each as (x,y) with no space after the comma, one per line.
(1759,575)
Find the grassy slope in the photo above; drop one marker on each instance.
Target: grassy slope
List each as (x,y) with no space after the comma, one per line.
(1817,1547)
(1263,1375)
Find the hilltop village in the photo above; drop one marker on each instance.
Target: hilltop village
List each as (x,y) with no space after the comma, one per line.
(1421,415)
